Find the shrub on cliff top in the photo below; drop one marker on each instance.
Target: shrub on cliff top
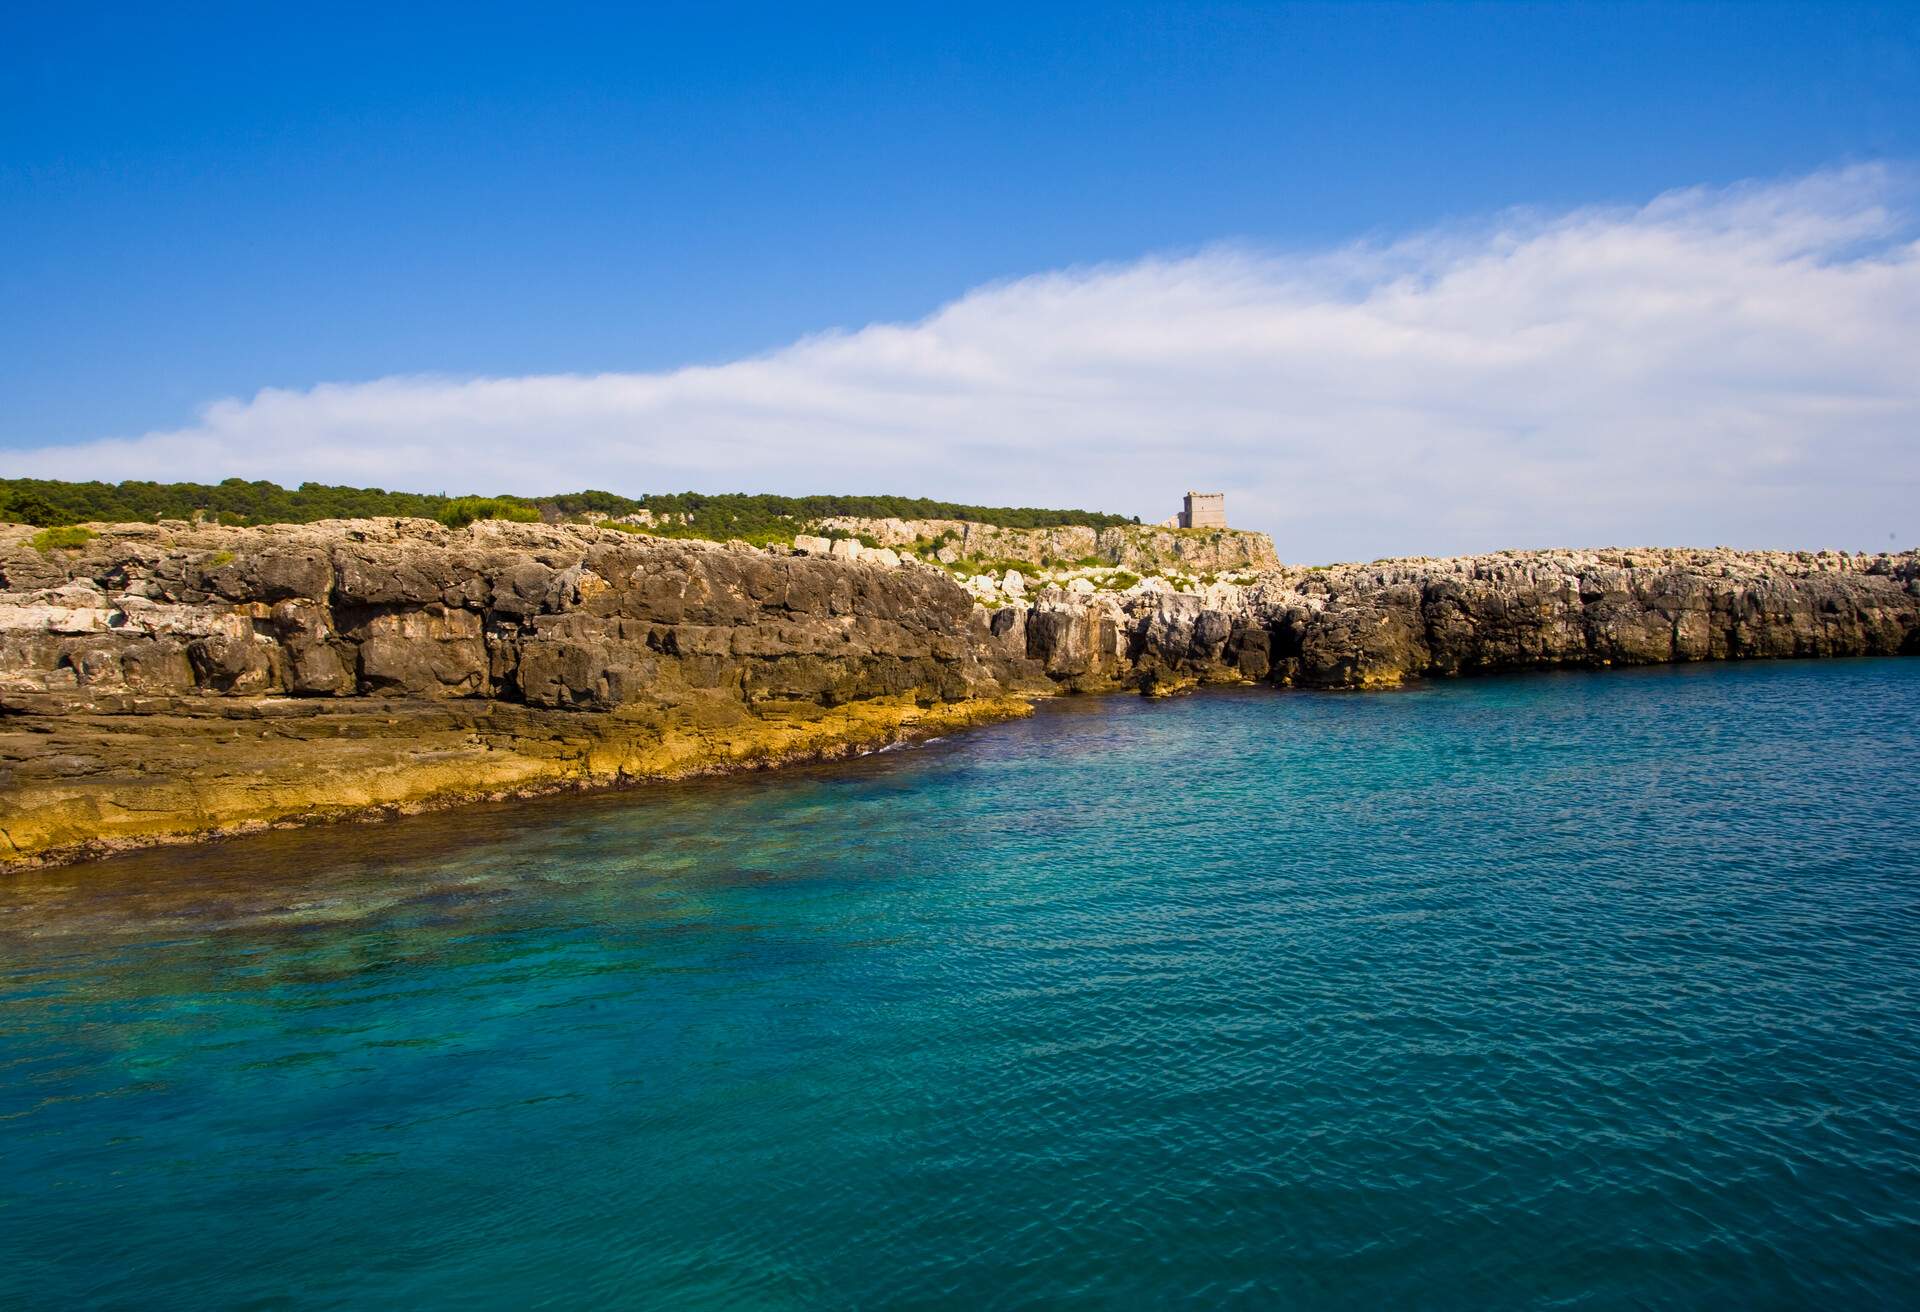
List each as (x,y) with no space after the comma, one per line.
(49,539)
(462,511)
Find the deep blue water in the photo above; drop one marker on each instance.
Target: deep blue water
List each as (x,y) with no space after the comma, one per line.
(1595,990)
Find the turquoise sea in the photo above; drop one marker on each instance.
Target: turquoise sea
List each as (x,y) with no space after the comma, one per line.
(1555,991)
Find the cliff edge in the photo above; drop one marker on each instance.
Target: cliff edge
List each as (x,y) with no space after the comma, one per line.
(166,682)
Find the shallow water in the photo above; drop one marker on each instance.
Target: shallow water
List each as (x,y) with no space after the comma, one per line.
(1589,990)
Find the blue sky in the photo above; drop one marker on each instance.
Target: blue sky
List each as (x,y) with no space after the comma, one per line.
(199,206)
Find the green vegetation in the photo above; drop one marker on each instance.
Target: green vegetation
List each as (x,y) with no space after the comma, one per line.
(749,512)
(968,566)
(462,511)
(236,501)
(780,531)
(754,518)
(49,539)
(1119,582)
(931,547)
(219,558)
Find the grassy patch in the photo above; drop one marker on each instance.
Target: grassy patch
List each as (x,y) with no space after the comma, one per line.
(219,558)
(967,566)
(462,511)
(66,537)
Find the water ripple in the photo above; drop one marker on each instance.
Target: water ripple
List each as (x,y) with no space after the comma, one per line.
(1574,991)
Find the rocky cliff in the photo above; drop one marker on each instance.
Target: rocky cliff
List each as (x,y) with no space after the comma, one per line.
(1140,548)
(168,680)
(1372,626)
(164,682)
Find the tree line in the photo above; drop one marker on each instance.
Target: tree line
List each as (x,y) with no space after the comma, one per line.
(51,502)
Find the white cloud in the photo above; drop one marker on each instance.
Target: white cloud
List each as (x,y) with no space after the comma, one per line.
(1719,366)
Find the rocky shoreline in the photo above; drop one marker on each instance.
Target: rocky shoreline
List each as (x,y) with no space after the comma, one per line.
(172,682)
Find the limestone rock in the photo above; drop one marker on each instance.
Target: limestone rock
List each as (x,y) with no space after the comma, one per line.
(575,653)
(1135,547)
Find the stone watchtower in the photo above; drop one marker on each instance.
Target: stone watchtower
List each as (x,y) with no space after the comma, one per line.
(1204,510)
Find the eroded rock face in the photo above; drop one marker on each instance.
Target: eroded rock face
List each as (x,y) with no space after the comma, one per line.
(561,618)
(1138,547)
(173,680)
(585,619)
(1374,625)
(1366,626)
(168,680)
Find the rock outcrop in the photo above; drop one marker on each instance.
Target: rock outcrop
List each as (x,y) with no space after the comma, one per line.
(170,680)
(1361,626)
(1378,625)
(173,681)
(1141,548)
